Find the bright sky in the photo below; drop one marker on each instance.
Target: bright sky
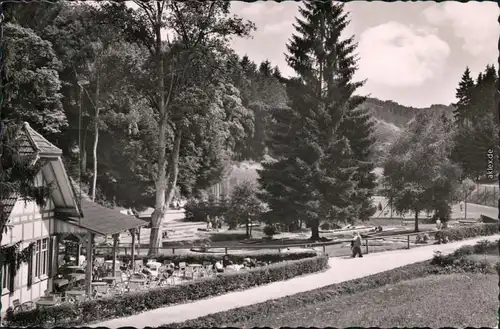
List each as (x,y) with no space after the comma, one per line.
(411,52)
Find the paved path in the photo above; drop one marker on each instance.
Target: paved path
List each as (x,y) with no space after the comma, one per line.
(340,270)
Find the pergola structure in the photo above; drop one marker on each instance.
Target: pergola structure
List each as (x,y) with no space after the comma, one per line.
(98,220)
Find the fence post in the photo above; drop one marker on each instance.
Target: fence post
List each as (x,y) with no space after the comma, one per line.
(408,241)
(173,251)
(324,249)
(225,250)
(279,250)
(366,242)
(126,251)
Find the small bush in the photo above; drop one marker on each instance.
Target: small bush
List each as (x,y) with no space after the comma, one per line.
(228,236)
(132,303)
(325,226)
(270,230)
(195,210)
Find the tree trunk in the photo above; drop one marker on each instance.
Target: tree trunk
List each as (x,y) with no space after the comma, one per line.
(96,125)
(158,215)
(247,226)
(173,172)
(314,231)
(416,221)
(83,154)
(94,155)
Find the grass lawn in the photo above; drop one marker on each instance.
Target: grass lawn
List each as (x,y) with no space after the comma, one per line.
(455,300)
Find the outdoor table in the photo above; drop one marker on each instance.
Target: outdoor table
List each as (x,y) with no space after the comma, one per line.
(143,281)
(109,279)
(75,292)
(195,265)
(75,267)
(78,276)
(61,282)
(46,303)
(98,283)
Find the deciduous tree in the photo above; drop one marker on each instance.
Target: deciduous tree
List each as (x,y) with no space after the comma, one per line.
(418,172)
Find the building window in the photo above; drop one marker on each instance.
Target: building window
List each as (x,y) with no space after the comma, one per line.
(5,277)
(44,255)
(38,246)
(41,256)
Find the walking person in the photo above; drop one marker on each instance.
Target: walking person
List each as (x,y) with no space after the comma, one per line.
(356,245)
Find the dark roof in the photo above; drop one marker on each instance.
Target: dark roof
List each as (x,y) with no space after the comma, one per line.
(105,221)
(34,143)
(8,204)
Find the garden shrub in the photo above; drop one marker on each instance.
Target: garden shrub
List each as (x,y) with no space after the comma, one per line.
(228,236)
(472,231)
(458,262)
(135,302)
(325,226)
(270,230)
(195,210)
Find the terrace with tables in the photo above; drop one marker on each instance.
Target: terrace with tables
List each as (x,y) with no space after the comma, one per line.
(113,277)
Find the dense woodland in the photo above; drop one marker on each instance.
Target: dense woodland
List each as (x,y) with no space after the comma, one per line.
(143,118)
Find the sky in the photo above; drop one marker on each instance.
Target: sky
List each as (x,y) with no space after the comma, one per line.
(413,53)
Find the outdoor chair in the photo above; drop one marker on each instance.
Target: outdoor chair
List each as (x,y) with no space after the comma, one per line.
(16,305)
(118,288)
(207,269)
(80,298)
(182,268)
(189,273)
(101,291)
(138,276)
(135,286)
(166,278)
(27,306)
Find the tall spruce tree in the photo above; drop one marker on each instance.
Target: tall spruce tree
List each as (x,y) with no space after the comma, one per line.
(464,95)
(479,134)
(358,127)
(314,178)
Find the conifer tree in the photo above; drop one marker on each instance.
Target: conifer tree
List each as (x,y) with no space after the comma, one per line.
(314,176)
(464,96)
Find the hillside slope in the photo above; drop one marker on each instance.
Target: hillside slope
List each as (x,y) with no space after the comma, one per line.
(391,118)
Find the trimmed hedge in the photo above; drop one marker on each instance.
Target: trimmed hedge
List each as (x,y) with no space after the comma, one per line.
(472,231)
(268,257)
(133,303)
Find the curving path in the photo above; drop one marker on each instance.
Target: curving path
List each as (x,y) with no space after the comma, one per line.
(340,270)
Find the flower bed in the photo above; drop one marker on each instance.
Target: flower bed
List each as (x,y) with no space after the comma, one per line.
(132,303)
